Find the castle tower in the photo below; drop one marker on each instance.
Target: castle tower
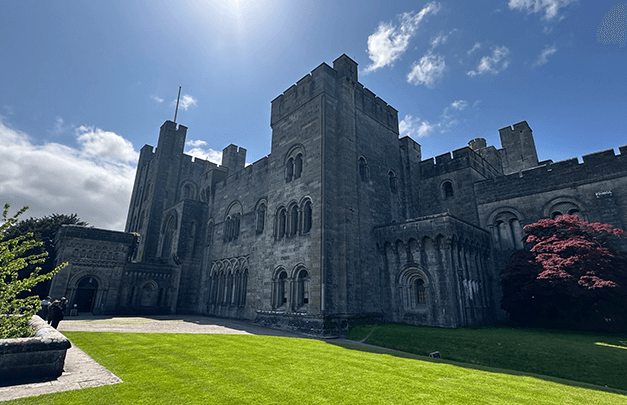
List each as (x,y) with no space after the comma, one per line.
(233,158)
(156,183)
(518,148)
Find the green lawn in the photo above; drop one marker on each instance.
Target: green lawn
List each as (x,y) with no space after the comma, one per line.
(233,369)
(586,357)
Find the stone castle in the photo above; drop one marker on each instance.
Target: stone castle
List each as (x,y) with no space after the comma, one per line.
(342,219)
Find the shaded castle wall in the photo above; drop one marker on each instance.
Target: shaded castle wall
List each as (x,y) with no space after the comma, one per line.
(597,186)
(461,170)
(451,257)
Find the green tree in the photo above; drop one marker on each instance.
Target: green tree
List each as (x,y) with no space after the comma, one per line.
(44,230)
(570,274)
(16,254)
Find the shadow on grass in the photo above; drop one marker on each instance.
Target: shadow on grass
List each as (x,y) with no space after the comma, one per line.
(368,348)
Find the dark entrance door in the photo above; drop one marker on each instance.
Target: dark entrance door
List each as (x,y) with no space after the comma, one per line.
(85,294)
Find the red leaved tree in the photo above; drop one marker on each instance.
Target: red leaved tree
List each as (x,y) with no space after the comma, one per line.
(570,274)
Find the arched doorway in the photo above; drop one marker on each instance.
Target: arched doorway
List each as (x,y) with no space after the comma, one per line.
(85,294)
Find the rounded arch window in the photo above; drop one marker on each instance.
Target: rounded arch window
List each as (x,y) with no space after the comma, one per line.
(302,288)
(298,166)
(508,233)
(364,171)
(293,221)
(419,291)
(260,219)
(565,208)
(307,217)
(289,170)
(447,189)
(281,290)
(393,182)
(414,287)
(281,222)
(294,160)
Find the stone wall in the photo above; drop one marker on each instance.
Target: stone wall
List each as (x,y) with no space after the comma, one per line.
(33,359)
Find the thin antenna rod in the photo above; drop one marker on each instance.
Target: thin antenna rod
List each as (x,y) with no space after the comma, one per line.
(177,105)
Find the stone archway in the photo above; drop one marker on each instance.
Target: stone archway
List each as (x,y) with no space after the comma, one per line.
(86,294)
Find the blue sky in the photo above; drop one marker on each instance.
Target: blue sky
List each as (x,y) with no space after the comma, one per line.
(84,84)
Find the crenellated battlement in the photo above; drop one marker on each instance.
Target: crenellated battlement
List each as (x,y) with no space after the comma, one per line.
(597,166)
(461,159)
(321,79)
(373,106)
(326,79)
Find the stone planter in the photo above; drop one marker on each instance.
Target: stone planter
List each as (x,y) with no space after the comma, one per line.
(36,358)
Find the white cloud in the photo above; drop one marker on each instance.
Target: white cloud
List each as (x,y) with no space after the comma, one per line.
(389,41)
(198,149)
(476,46)
(492,64)
(94,181)
(543,58)
(105,145)
(459,104)
(428,71)
(447,119)
(186,102)
(441,39)
(414,127)
(549,7)
(157,99)
(59,126)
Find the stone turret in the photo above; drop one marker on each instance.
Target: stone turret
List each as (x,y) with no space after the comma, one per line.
(519,150)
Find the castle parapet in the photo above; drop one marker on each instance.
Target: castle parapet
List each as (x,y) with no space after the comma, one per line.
(462,158)
(597,166)
(325,79)
(375,107)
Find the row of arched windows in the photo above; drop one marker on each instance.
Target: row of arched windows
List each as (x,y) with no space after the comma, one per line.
(507,230)
(290,293)
(227,288)
(293,220)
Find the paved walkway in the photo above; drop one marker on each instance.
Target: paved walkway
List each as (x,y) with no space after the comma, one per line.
(81,371)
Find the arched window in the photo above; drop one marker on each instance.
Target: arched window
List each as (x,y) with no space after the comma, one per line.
(189,192)
(281,222)
(236,223)
(289,170)
(419,291)
(307,217)
(168,237)
(565,208)
(393,182)
(447,189)
(281,290)
(302,289)
(414,288)
(261,218)
(508,231)
(232,222)
(298,166)
(364,172)
(293,220)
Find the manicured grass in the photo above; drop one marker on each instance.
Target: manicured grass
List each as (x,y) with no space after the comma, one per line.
(234,369)
(586,357)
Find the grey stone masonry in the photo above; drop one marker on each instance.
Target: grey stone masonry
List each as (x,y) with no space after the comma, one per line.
(342,219)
